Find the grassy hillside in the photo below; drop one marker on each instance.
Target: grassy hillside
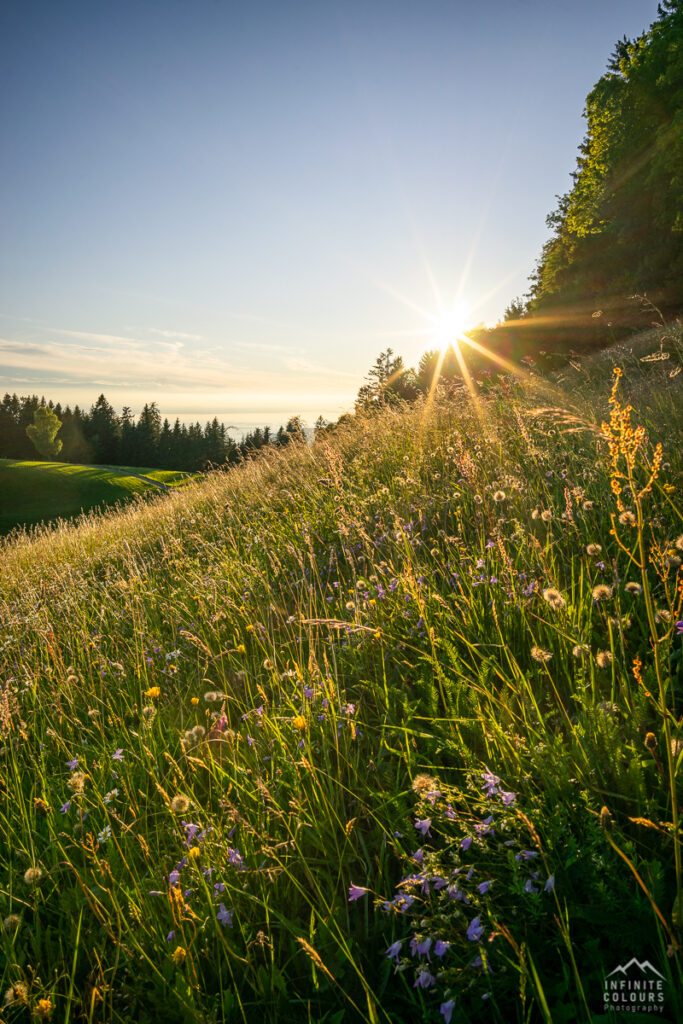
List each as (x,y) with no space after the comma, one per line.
(382,729)
(34,492)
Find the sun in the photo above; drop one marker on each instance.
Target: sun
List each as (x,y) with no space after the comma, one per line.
(449,326)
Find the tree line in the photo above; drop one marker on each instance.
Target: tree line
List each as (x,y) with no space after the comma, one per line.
(389,381)
(615,257)
(100,436)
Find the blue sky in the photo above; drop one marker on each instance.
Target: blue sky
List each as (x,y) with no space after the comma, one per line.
(232,208)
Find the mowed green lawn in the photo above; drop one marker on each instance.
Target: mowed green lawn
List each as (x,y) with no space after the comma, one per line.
(35,492)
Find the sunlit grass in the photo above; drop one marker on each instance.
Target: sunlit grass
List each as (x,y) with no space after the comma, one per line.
(247,681)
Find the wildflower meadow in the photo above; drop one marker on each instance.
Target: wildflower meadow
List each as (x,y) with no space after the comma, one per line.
(385,727)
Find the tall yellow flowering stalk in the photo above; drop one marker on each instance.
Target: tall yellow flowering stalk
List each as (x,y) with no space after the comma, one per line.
(625,443)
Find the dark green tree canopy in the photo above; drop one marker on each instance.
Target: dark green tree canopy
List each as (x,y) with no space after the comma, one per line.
(619,230)
(102,437)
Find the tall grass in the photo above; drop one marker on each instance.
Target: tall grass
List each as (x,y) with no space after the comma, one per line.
(418,681)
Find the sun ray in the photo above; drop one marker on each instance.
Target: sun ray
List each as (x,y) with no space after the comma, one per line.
(402,298)
(501,361)
(420,332)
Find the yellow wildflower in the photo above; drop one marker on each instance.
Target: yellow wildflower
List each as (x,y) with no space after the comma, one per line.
(153,693)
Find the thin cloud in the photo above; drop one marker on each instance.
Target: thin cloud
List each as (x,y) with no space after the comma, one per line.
(306,367)
(175,334)
(132,365)
(264,347)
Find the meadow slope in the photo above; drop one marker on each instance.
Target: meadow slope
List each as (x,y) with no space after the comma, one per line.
(385,728)
(37,492)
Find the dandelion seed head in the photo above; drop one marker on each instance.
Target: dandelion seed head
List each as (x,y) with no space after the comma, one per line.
(604,659)
(33,875)
(593,549)
(627,519)
(180,804)
(602,592)
(76,782)
(633,588)
(540,655)
(554,598)
(424,784)
(17,993)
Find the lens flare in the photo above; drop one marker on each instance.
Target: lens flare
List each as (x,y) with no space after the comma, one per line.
(450,326)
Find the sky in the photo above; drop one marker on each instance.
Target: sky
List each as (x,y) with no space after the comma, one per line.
(232,208)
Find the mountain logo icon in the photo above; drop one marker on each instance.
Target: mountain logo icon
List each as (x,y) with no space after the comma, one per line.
(645,968)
